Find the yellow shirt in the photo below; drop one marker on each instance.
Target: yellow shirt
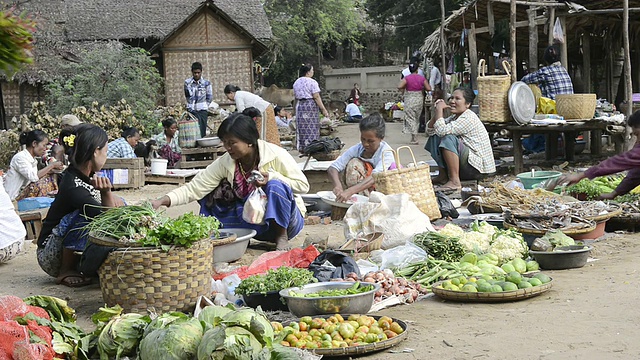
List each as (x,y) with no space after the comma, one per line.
(273,160)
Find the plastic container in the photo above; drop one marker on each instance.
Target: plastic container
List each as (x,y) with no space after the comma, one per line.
(159,166)
(531,178)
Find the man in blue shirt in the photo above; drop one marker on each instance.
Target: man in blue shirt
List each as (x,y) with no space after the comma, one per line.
(199,95)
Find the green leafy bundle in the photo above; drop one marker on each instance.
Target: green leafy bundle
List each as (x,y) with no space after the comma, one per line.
(183,231)
(441,247)
(275,280)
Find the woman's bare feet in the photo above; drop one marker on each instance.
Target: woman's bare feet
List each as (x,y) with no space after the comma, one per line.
(439,180)
(450,186)
(282,243)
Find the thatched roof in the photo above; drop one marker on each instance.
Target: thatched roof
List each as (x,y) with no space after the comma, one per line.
(66,27)
(476,12)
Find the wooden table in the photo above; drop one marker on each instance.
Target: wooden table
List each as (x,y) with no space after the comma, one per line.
(175,176)
(569,129)
(200,157)
(32,221)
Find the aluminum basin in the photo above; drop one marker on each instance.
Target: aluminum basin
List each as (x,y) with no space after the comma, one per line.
(348,304)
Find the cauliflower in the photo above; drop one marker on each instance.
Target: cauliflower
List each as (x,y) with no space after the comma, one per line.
(475,242)
(508,245)
(452,230)
(484,227)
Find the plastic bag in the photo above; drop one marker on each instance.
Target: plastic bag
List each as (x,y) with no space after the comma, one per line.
(342,264)
(546,106)
(296,257)
(558,34)
(401,256)
(446,206)
(255,207)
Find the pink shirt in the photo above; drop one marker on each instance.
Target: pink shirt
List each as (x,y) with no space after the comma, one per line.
(305,87)
(415,82)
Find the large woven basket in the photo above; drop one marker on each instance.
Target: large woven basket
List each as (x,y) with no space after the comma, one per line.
(330,156)
(493,92)
(576,106)
(149,278)
(415,181)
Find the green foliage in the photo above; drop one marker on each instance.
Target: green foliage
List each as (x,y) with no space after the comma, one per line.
(105,76)
(301,29)
(16,38)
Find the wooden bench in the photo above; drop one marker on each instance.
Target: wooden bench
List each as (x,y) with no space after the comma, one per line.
(32,221)
(200,157)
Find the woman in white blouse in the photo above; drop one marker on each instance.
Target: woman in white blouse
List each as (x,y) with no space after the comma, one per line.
(245,99)
(23,178)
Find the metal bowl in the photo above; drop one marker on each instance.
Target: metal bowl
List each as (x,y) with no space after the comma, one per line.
(347,304)
(570,257)
(209,141)
(233,251)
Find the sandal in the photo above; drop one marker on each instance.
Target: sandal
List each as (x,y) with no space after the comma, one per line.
(66,280)
(446,189)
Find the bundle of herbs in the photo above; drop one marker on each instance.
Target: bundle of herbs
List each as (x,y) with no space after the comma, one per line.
(439,246)
(142,225)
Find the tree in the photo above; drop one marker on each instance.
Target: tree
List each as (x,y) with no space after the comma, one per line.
(106,75)
(16,38)
(303,30)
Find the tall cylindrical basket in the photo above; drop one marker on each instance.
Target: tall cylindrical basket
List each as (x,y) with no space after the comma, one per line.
(150,278)
(493,95)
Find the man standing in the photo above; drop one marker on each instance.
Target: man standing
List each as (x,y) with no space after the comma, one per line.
(199,95)
(435,78)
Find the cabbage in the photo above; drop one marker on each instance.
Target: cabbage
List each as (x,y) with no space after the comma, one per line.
(558,238)
(213,314)
(165,320)
(252,320)
(212,344)
(177,341)
(120,336)
(240,344)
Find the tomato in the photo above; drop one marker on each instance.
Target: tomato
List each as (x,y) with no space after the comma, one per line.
(295,326)
(332,320)
(326,344)
(291,338)
(386,318)
(375,329)
(317,323)
(396,328)
(284,343)
(354,324)
(358,336)
(390,334)
(363,329)
(339,317)
(314,332)
(382,337)
(353,317)
(336,336)
(371,338)
(331,328)
(306,319)
(303,326)
(384,325)
(311,345)
(346,330)
(277,327)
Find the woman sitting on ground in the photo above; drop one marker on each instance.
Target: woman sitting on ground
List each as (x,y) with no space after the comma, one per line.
(355,167)
(82,196)
(222,188)
(23,179)
(122,148)
(460,143)
(167,142)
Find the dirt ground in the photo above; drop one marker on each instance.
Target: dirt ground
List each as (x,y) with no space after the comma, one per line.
(590,313)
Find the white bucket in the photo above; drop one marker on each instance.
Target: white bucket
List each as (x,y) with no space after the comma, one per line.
(159,166)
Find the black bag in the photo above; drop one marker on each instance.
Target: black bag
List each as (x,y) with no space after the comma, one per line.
(323,145)
(92,258)
(343,263)
(446,207)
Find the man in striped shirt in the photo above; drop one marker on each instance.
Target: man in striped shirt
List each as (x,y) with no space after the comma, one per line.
(199,94)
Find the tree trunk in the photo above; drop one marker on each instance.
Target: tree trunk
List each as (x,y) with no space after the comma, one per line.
(629,141)
(512,42)
(442,48)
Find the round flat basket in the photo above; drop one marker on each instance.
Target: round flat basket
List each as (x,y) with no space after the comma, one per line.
(615,210)
(330,156)
(504,296)
(366,348)
(568,231)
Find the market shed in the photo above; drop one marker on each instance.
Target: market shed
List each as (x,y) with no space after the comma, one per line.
(593,33)
(224,35)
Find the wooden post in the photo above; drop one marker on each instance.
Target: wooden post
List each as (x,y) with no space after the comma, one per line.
(442,48)
(563,46)
(473,57)
(512,41)
(628,140)
(586,61)
(533,39)
(609,72)
(490,19)
(552,21)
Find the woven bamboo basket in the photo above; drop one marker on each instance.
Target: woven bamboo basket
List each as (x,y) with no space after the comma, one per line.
(338,213)
(149,278)
(576,106)
(493,94)
(505,296)
(364,243)
(330,156)
(415,181)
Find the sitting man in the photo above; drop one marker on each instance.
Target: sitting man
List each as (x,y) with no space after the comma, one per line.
(353,112)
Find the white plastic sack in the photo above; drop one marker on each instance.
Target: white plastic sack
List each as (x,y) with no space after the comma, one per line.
(558,34)
(401,256)
(397,217)
(255,207)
